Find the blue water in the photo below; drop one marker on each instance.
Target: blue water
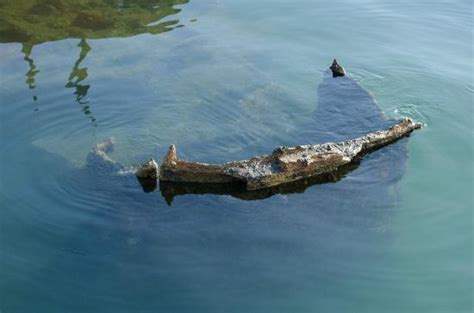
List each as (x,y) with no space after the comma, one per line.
(228,80)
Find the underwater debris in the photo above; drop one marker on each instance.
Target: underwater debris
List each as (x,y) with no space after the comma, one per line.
(337,70)
(284,165)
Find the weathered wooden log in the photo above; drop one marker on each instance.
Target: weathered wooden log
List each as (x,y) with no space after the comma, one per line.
(285,164)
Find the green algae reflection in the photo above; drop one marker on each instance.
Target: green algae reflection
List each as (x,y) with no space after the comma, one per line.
(32,22)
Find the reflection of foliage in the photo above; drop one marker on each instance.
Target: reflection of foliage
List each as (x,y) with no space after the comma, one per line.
(30,75)
(78,75)
(33,22)
(37,21)
(30,80)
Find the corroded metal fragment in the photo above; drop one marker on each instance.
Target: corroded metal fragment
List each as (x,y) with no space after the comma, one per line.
(337,70)
(285,164)
(149,170)
(147,175)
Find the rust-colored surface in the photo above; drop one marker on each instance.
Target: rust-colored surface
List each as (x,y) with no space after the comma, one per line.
(285,164)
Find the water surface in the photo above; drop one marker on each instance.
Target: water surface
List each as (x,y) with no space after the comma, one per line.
(226,80)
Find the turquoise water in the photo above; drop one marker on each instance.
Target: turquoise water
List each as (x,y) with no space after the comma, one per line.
(227,80)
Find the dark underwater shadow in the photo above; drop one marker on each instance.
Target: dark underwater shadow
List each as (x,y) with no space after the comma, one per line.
(345,110)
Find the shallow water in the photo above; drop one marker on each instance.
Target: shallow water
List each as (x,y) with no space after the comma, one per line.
(226,80)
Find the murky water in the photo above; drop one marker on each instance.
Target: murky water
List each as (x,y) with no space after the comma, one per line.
(226,80)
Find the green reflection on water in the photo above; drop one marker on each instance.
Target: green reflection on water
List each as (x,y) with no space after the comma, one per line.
(35,21)
(79,74)
(32,22)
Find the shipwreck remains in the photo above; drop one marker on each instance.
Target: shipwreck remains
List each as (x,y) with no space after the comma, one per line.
(284,165)
(286,169)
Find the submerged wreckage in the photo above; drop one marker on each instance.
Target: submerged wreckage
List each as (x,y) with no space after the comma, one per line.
(286,169)
(284,165)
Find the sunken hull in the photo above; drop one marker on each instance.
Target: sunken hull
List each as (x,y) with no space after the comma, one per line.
(285,164)
(345,110)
